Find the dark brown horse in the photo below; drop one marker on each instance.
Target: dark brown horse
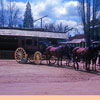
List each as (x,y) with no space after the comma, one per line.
(57,52)
(95,55)
(68,55)
(86,55)
(78,55)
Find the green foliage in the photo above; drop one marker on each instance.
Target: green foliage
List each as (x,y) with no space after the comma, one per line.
(28,19)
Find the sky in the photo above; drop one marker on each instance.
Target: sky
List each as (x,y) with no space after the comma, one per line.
(58,11)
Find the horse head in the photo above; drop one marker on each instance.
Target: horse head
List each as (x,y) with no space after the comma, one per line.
(68,51)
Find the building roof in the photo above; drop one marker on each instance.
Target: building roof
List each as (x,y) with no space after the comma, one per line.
(74,41)
(27,33)
(96,26)
(77,36)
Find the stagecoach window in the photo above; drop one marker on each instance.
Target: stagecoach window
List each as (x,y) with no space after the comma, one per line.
(35,42)
(29,42)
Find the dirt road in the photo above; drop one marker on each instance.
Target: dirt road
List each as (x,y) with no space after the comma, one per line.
(29,79)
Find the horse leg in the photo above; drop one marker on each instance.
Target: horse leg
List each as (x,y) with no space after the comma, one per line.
(89,62)
(83,65)
(92,64)
(58,62)
(73,63)
(74,66)
(61,61)
(86,65)
(77,65)
(95,64)
(67,62)
(49,59)
(95,67)
(89,65)
(74,60)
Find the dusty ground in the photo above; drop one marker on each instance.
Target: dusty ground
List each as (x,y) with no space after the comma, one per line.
(29,79)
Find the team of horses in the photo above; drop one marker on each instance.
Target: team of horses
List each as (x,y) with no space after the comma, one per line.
(86,55)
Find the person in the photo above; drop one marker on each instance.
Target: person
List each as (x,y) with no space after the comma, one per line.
(99,61)
(99,58)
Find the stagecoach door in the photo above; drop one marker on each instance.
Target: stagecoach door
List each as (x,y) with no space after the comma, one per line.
(21,42)
(29,43)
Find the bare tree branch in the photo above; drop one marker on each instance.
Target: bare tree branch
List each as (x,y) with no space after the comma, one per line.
(13,13)
(2,13)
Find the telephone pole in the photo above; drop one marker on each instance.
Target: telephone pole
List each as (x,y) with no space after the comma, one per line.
(41,19)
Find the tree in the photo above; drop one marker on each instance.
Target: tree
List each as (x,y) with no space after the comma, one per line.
(2,21)
(13,13)
(28,19)
(96,8)
(86,13)
(50,27)
(68,29)
(60,28)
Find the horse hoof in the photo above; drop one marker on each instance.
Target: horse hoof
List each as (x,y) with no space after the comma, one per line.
(75,68)
(89,70)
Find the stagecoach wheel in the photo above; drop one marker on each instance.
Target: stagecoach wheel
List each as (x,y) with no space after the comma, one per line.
(52,60)
(69,63)
(37,57)
(20,55)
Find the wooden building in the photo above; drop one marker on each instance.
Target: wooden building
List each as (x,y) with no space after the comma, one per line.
(75,43)
(9,39)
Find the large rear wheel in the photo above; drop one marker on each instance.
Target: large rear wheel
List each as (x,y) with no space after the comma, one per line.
(20,55)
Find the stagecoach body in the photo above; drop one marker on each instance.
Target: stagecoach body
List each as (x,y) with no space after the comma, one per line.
(28,43)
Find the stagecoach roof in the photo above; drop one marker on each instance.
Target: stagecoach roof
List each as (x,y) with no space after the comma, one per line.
(96,42)
(26,33)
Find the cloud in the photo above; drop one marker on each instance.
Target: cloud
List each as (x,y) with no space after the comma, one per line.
(55,8)
(67,22)
(71,8)
(59,11)
(64,11)
(48,20)
(37,9)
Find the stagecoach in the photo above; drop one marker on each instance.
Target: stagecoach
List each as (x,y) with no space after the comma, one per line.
(28,44)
